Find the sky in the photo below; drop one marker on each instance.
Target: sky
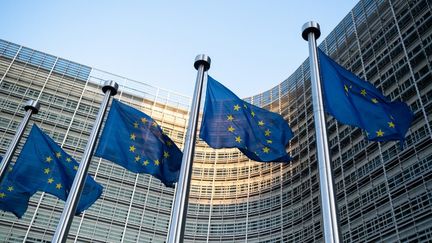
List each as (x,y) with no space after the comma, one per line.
(254,45)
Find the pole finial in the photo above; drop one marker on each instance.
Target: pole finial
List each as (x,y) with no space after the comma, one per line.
(110,85)
(32,105)
(202,59)
(309,27)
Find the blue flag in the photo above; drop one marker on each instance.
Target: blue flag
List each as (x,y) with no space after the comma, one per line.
(13,198)
(43,166)
(229,122)
(135,141)
(356,102)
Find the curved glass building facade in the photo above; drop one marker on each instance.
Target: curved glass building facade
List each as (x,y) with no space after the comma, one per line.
(383,193)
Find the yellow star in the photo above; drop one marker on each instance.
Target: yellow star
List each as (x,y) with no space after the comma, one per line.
(58,155)
(156,162)
(269,141)
(380,133)
(10,188)
(236,107)
(137,158)
(48,159)
(59,186)
(47,170)
(135,124)
(2,195)
(363,92)
(154,124)
(75,167)
(346,88)
(374,100)
(391,124)
(146,162)
(244,105)
(267,132)
(132,136)
(260,123)
(50,180)
(253,114)
(231,129)
(230,118)
(238,139)
(166,154)
(266,150)
(144,120)
(132,148)
(68,160)
(169,143)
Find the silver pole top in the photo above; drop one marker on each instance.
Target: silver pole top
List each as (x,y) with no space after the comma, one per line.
(32,105)
(110,85)
(309,27)
(202,59)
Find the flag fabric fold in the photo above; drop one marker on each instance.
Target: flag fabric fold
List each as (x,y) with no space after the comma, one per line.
(42,165)
(135,141)
(13,198)
(354,101)
(229,122)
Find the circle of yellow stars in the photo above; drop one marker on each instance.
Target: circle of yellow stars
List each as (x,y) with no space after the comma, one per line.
(48,171)
(133,149)
(260,123)
(363,92)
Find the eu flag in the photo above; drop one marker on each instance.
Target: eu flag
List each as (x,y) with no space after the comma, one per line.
(229,122)
(135,141)
(42,165)
(13,198)
(356,102)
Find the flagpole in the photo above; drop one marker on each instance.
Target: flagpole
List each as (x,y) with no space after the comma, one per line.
(178,217)
(110,89)
(311,32)
(31,107)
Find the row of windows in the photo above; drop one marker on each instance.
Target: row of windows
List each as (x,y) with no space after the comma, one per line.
(44,61)
(362,200)
(62,112)
(288,201)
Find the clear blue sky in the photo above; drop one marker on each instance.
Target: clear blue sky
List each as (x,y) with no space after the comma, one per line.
(254,45)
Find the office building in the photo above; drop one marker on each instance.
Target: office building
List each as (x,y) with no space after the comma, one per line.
(384,193)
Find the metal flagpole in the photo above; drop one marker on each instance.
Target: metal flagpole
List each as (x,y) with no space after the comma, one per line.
(311,32)
(110,89)
(178,217)
(31,107)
